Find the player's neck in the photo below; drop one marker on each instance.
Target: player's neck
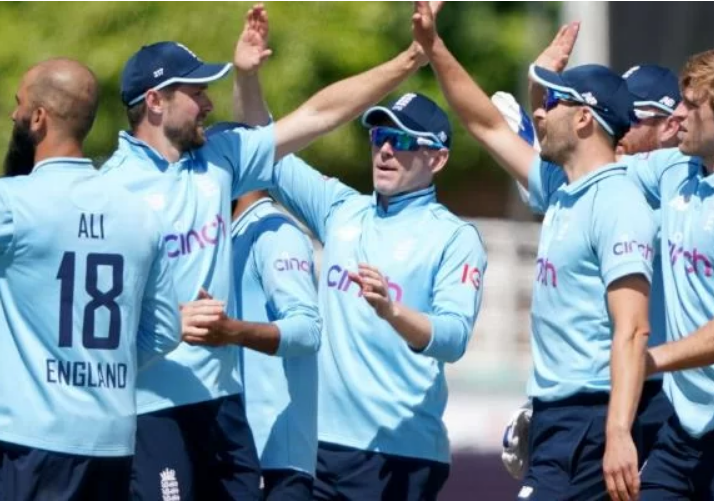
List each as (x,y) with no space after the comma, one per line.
(246,201)
(708,164)
(587,160)
(50,148)
(155,137)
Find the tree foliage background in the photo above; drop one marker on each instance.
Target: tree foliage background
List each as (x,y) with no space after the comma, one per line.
(314,44)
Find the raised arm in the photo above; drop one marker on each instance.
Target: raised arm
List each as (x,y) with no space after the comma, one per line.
(251,52)
(473,107)
(343,101)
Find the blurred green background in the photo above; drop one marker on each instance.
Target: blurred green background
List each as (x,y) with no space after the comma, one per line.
(314,44)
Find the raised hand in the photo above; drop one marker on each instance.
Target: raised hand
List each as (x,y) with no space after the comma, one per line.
(375,289)
(424,24)
(555,57)
(252,47)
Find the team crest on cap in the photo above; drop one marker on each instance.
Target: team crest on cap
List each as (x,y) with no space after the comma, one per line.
(403,101)
(442,136)
(667,101)
(589,98)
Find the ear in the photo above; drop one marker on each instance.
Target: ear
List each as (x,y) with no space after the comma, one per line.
(155,102)
(582,117)
(584,122)
(668,132)
(38,119)
(438,160)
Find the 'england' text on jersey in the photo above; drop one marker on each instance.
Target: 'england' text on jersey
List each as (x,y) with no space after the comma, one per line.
(87,374)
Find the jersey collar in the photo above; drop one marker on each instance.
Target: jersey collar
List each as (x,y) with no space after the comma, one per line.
(582,184)
(249,211)
(64,163)
(130,144)
(399,203)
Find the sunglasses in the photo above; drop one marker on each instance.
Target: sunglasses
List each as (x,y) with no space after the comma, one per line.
(553,97)
(400,140)
(645,114)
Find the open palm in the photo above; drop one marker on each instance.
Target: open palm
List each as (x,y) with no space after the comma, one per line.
(252,48)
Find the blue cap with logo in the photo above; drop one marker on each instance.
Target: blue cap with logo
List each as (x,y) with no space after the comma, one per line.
(597,87)
(162,64)
(415,114)
(655,86)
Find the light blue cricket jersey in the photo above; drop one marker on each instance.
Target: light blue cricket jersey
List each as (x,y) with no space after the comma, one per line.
(656,309)
(86,296)
(375,393)
(273,266)
(680,186)
(194,197)
(595,230)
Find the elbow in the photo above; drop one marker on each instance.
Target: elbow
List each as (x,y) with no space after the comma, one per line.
(459,349)
(449,339)
(312,339)
(315,340)
(638,333)
(300,335)
(632,340)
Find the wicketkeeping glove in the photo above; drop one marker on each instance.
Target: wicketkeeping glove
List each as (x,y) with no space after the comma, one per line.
(515,442)
(517,118)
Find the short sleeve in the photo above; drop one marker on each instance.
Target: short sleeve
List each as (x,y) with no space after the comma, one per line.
(624,233)
(544,179)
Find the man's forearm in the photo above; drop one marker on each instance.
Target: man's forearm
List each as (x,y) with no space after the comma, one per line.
(412,326)
(249,107)
(479,115)
(627,369)
(465,97)
(695,350)
(340,102)
(262,337)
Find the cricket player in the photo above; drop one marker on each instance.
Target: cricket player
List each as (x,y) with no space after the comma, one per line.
(274,276)
(657,94)
(679,182)
(87,300)
(594,266)
(386,337)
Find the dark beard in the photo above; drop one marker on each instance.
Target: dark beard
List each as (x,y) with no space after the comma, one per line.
(20,156)
(185,138)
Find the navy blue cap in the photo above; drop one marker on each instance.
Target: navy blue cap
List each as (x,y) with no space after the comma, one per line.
(162,64)
(596,86)
(415,114)
(653,85)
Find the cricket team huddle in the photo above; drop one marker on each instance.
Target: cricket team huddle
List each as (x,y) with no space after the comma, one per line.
(166,336)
